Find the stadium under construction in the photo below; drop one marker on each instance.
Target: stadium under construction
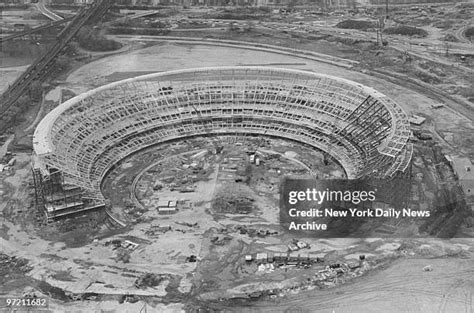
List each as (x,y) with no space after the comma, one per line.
(80,141)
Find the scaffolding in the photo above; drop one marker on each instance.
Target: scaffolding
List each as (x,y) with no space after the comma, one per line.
(83,138)
(55,199)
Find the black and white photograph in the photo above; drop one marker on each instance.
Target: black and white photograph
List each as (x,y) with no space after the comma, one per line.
(237,156)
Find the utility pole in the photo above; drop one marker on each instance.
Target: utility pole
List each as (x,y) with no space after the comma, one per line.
(386,8)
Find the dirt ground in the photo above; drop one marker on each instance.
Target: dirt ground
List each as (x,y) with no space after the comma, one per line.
(91,266)
(401,287)
(452,126)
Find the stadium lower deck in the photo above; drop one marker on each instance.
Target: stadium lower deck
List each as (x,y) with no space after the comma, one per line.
(366,132)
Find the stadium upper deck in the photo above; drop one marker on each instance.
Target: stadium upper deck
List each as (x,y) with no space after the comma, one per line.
(361,128)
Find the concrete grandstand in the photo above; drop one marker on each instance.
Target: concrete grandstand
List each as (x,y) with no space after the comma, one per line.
(83,138)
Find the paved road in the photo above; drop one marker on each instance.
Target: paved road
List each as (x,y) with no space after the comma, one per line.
(420,47)
(47,12)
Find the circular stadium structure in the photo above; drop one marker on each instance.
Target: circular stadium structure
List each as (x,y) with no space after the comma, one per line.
(84,137)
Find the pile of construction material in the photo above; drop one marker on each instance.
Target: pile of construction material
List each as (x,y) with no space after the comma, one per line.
(331,272)
(265,268)
(129,299)
(126,244)
(243,229)
(220,240)
(192,225)
(296,245)
(148,280)
(234,198)
(234,204)
(422,134)
(325,276)
(12,263)
(155,230)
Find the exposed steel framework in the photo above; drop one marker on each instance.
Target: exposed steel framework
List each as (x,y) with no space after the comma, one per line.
(366,132)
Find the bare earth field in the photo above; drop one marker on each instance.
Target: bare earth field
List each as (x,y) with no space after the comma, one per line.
(452,126)
(396,281)
(401,287)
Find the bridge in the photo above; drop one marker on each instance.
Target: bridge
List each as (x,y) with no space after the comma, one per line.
(47,12)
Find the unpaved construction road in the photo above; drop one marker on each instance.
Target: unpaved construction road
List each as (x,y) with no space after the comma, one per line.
(415,97)
(403,287)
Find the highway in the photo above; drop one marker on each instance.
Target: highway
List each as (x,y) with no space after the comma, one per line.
(35,29)
(142,14)
(419,47)
(47,12)
(453,104)
(42,66)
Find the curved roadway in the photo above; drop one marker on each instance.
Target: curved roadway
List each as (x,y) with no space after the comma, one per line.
(47,12)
